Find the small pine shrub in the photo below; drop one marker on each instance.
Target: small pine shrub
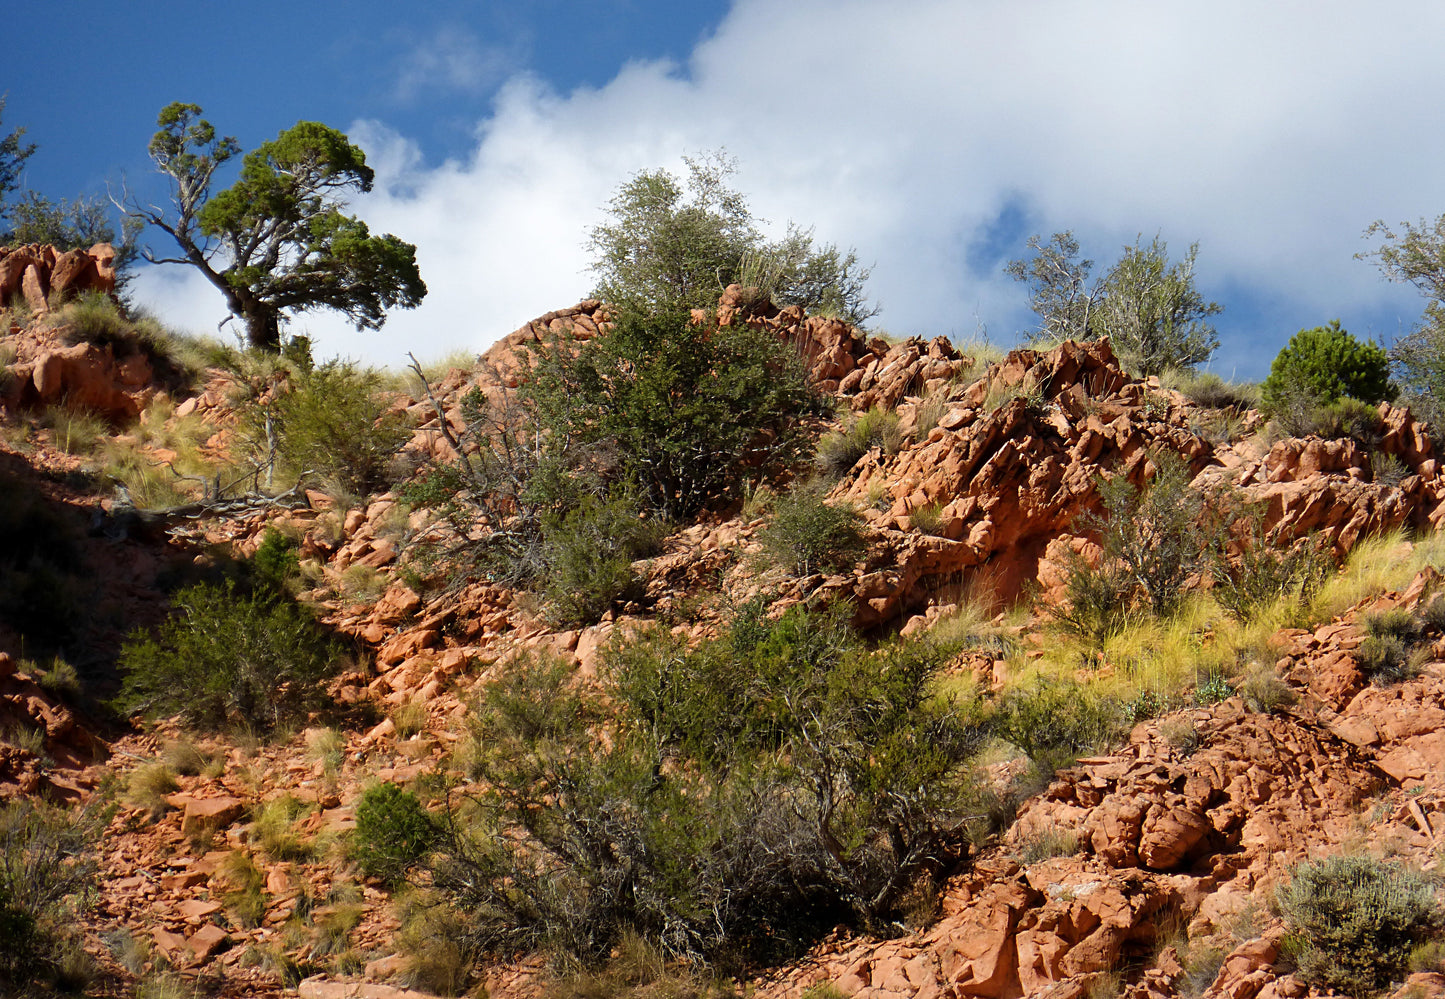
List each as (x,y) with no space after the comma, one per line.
(276,560)
(1324,365)
(393,831)
(1355,921)
(807,535)
(229,659)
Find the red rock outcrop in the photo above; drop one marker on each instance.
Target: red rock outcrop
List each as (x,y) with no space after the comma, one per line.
(44,275)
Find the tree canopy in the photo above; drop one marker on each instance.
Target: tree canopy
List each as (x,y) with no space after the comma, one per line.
(673,244)
(1148,307)
(13,154)
(1415,255)
(278,240)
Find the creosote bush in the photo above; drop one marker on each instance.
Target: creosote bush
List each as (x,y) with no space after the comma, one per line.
(227,657)
(750,793)
(1355,920)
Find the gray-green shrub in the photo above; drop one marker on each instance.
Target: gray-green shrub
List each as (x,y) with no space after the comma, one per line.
(1355,920)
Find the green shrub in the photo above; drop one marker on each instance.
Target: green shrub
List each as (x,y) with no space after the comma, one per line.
(334,423)
(1055,721)
(1324,365)
(226,657)
(807,535)
(1210,391)
(1383,655)
(1355,920)
(275,560)
(1153,540)
(1265,691)
(1265,571)
(393,831)
(1212,688)
(751,792)
(588,554)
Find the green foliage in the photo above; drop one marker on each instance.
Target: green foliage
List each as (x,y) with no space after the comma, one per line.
(1355,920)
(1056,721)
(1153,540)
(277,241)
(672,245)
(1212,688)
(1059,289)
(1416,255)
(227,657)
(276,561)
(393,831)
(589,553)
(749,794)
(1323,365)
(1150,309)
(46,860)
(335,423)
(686,409)
(807,535)
(1152,312)
(13,154)
(676,415)
(1383,655)
(1263,570)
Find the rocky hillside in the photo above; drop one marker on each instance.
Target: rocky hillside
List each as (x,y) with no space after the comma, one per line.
(225,861)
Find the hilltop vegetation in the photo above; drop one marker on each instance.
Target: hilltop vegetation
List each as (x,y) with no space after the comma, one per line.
(698,641)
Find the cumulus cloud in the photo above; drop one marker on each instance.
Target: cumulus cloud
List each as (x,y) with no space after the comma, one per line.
(925,132)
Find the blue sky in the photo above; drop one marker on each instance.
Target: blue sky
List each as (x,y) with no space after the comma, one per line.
(933,135)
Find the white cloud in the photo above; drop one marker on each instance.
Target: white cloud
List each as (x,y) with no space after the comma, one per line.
(1272,133)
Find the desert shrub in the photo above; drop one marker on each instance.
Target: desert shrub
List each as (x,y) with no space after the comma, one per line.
(807,535)
(838,452)
(1048,844)
(752,792)
(1324,365)
(1263,570)
(46,859)
(275,560)
(226,658)
(393,831)
(333,422)
(1207,389)
(1432,614)
(1383,655)
(1056,721)
(61,680)
(588,553)
(1153,539)
(1355,920)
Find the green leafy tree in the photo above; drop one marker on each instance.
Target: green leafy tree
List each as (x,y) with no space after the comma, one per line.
(278,241)
(674,244)
(1325,364)
(1153,313)
(1415,255)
